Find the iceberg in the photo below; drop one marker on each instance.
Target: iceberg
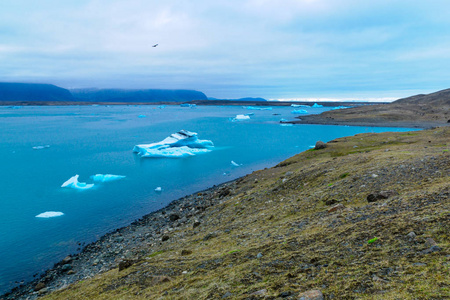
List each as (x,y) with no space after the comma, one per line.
(142,116)
(235,164)
(317,105)
(339,107)
(299,105)
(50,214)
(181,144)
(106,177)
(242,117)
(257,108)
(299,111)
(73,183)
(158,189)
(41,147)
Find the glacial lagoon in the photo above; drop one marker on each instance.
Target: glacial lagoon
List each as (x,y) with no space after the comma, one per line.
(41,148)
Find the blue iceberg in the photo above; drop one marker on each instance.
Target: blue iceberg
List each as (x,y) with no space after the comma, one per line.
(181,144)
(339,107)
(299,111)
(299,105)
(50,214)
(317,105)
(257,108)
(74,184)
(106,177)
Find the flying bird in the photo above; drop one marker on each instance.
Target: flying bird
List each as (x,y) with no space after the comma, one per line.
(155,45)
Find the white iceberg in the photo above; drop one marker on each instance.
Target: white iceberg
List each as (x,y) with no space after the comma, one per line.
(299,111)
(106,177)
(50,214)
(299,105)
(181,144)
(317,105)
(74,184)
(235,164)
(41,147)
(242,117)
(158,189)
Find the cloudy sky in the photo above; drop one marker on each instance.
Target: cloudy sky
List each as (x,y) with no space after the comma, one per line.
(347,49)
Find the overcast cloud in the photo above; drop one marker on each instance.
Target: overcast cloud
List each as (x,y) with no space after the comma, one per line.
(273,49)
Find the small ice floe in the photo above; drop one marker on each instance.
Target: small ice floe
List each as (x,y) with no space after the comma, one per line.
(50,214)
(242,117)
(299,111)
(106,177)
(339,107)
(181,144)
(74,184)
(158,189)
(299,105)
(41,147)
(233,163)
(257,108)
(142,116)
(317,105)
(161,106)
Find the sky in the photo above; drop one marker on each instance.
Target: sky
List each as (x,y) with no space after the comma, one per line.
(276,49)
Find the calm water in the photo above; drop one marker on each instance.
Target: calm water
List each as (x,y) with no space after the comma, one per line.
(87,140)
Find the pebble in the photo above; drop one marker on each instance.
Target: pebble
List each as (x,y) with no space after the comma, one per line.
(311,295)
(259,255)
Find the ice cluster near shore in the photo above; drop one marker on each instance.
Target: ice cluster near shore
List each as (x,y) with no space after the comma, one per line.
(181,144)
(299,111)
(50,214)
(73,182)
(106,177)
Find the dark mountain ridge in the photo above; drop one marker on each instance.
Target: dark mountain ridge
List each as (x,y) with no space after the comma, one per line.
(125,95)
(11,91)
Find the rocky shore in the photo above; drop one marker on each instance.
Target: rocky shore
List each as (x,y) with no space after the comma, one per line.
(364,217)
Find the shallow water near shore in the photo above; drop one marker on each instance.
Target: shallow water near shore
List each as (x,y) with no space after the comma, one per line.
(88,140)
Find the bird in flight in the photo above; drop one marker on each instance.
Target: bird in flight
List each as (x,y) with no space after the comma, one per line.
(155,45)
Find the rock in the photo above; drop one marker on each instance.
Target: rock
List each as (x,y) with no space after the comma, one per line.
(259,255)
(331,202)
(227,295)
(196,223)
(68,259)
(320,145)
(66,267)
(186,252)
(411,236)
(160,279)
(336,208)
(71,272)
(284,294)
(124,264)
(39,286)
(429,242)
(210,236)
(378,279)
(164,238)
(259,293)
(174,217)
(431,250)
(380,195)
(311,295)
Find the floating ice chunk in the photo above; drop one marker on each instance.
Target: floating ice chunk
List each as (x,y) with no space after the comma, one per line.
(317,105)
(257,108)
(339,107)
(235,164)
(106,177)
(142,116)
(181,144)
(41,147)
(242,117)
(161,106)
(299,111)
(299,105)
(158,189)
(50,214)
(73,183)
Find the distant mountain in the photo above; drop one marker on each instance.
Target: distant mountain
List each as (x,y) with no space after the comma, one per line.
(122,95)
(33,92)
(436,98)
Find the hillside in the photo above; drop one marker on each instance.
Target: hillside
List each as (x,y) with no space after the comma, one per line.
(430,110)
(33,92)
(366,217)
(149,95)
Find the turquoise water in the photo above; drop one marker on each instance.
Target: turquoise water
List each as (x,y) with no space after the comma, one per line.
(87,140)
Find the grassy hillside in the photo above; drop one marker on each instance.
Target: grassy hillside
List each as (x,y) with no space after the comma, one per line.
(303,225)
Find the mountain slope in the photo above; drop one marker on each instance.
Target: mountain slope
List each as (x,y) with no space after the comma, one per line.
(33,92)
